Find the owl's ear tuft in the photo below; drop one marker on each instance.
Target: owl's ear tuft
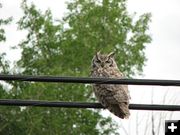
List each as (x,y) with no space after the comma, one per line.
(111,55)
(97,54)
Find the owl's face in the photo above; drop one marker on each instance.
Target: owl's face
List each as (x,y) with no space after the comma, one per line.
(103,60)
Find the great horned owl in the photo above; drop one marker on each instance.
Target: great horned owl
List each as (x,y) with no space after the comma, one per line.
(114,97)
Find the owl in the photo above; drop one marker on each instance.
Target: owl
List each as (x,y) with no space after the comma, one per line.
(114,97)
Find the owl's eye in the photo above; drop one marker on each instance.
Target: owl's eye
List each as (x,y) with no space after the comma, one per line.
(98,61)
(108,61)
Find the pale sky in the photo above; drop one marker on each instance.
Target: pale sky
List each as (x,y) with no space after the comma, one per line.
(163,53)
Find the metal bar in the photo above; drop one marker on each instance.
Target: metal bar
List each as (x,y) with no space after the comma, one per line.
(40,103)
(89,80)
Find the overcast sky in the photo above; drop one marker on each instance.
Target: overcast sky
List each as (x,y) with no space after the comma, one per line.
(163,53)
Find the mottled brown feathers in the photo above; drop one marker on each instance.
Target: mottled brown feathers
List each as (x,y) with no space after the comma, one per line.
(112,96)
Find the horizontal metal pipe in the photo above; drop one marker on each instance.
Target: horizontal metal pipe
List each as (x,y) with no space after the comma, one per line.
(40,103)
(89,80)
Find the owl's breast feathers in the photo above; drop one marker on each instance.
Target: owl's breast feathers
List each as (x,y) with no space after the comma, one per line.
(106,72)
(108,90)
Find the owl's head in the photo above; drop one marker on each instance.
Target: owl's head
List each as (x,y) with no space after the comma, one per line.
(103,60)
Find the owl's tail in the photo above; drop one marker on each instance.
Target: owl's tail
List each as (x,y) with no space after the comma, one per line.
(121,110)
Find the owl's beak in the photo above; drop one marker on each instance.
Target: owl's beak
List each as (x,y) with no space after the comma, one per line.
(102,65)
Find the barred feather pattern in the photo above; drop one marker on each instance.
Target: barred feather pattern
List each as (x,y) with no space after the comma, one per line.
(114,97)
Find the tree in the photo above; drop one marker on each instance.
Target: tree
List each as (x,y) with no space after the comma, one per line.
(4,67)
(66,48)
(3,63)
(105,25)
(40,55)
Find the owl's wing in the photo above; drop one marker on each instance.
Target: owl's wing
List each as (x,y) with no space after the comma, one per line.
(121,95)
(120,110)
(125,87)
(121,76)
(118,103)
(117,94)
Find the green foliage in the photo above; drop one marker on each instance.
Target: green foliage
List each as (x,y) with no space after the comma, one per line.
(3,63)
(65,48)
(105,26)
(3,22)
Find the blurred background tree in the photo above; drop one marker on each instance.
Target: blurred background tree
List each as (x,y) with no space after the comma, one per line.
(3,62)
(65,48)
